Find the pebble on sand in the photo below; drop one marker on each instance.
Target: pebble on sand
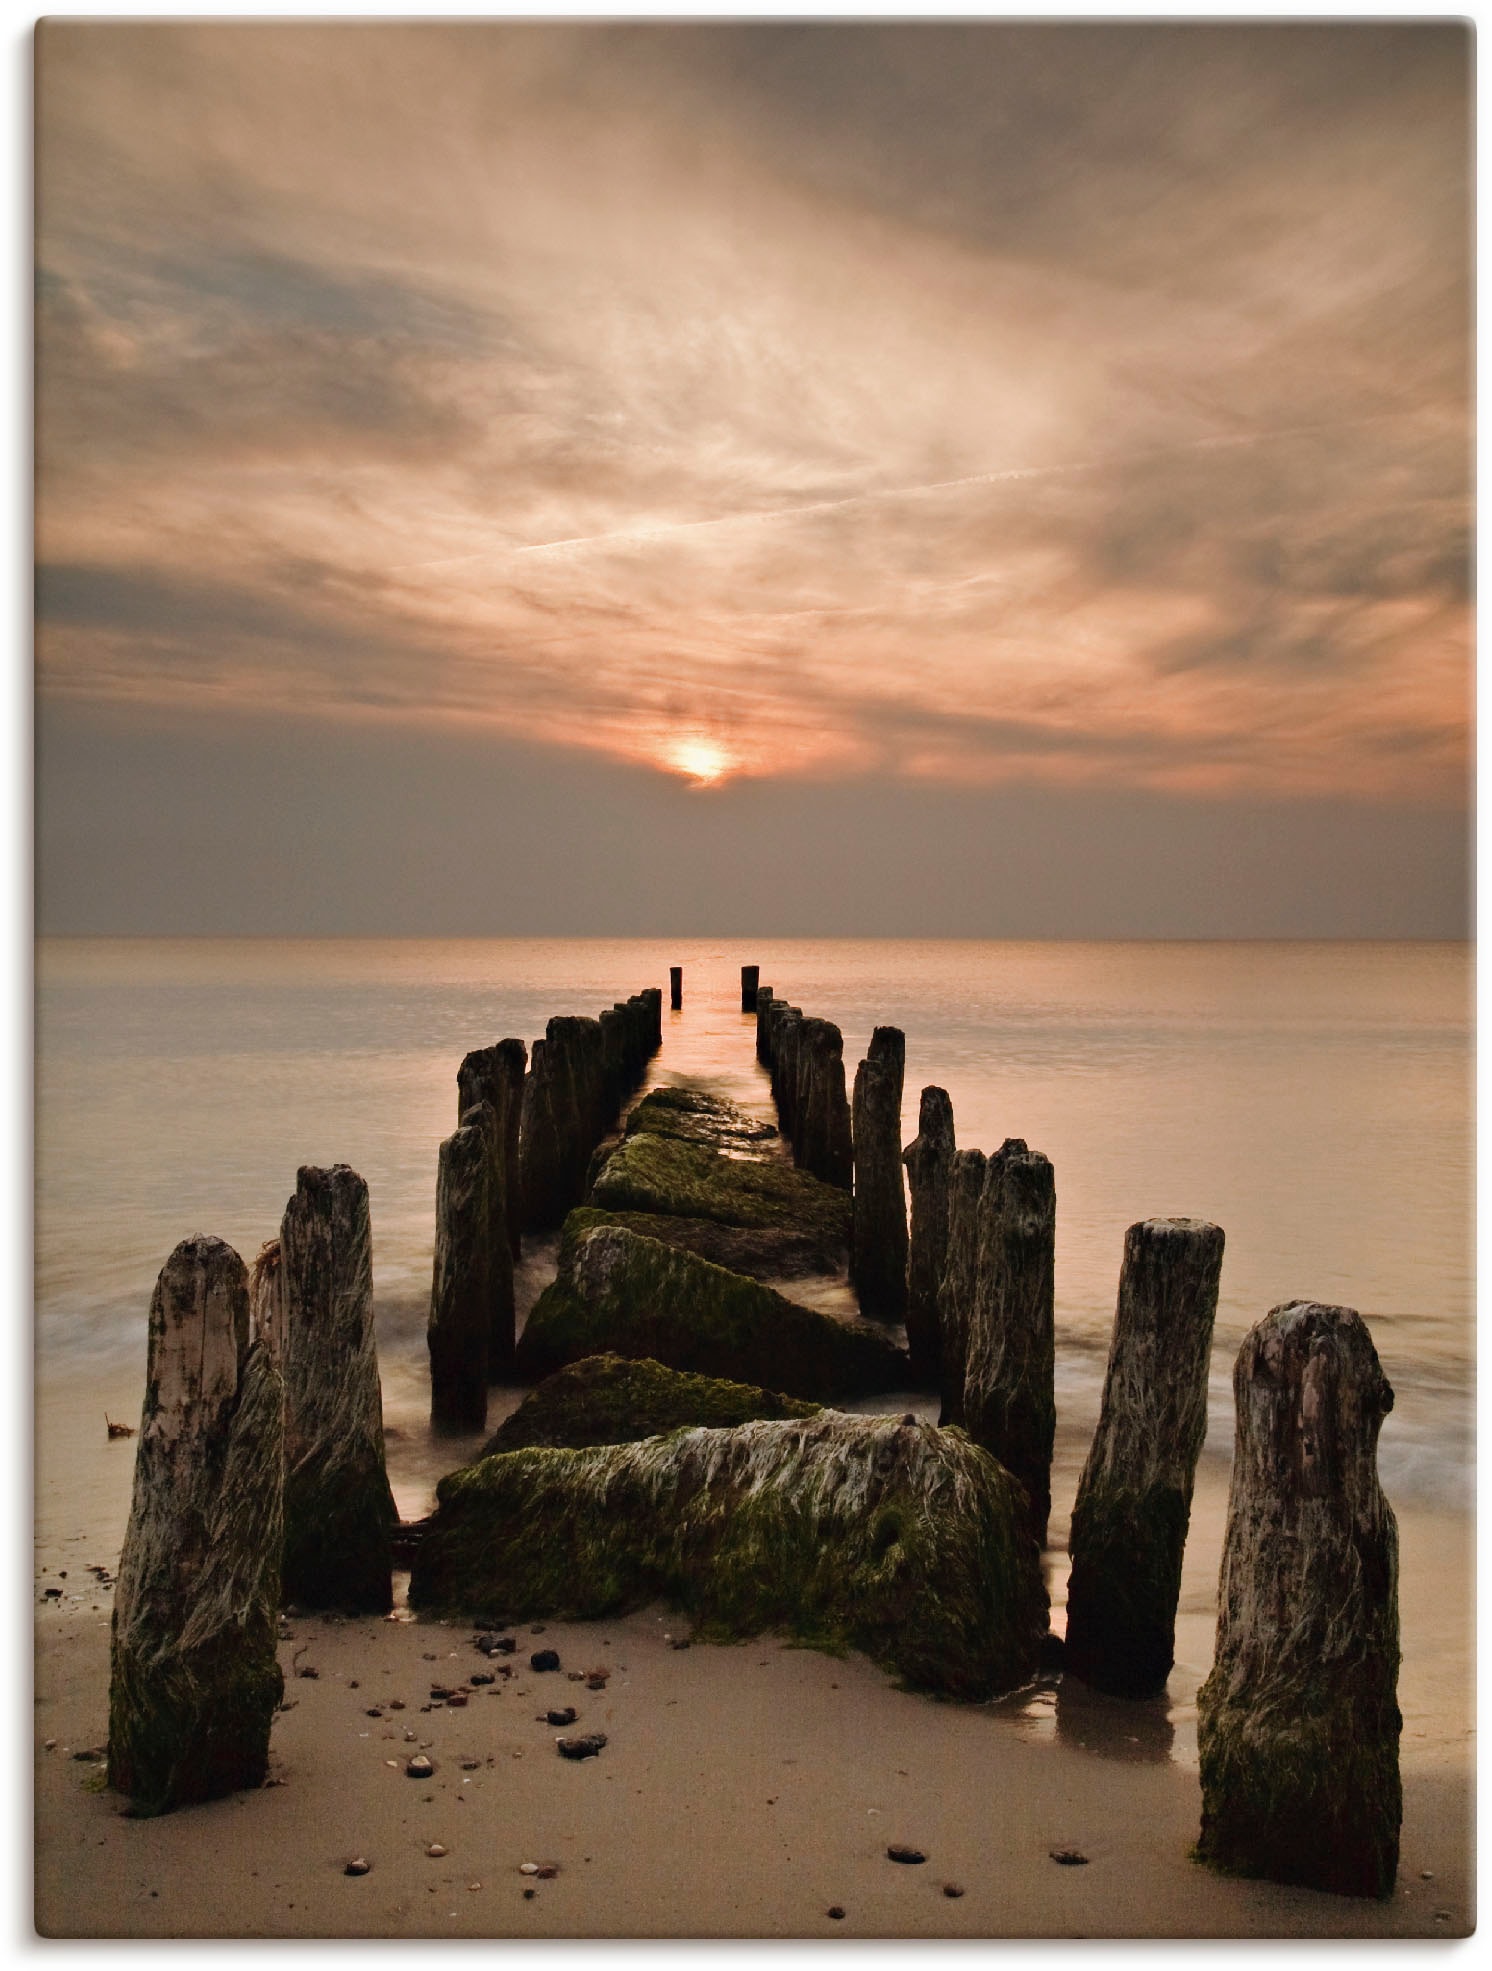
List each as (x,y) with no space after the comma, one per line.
(359,1865)
(435,1851)
(420,1767)
(544,1659)
(1069,1857)
(837,1912)
(897,1852)
(585,1747)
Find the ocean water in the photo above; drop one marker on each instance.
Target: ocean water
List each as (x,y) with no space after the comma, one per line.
(1313,1099)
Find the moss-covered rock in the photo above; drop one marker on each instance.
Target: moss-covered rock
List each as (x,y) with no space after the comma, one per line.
(617,1291)
(653,1172)
(902,1540)
(692,1115)
(609,1399)
(761,1252)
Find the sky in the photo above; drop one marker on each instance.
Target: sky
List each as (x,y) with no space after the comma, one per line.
(870,479)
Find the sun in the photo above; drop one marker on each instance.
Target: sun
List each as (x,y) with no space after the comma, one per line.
(703,761)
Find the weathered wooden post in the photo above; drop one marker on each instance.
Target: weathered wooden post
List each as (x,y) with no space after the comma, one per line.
(488,1088)
(764,1025)
(1010,1404)
(1134,1499)
(960,1278)
(929,1163)
(339,1512)
(750,974)
(878,1230)
(267,1303)
(676,987)
(460,1325)
(823,1145)
(1298,1723)
(495,1075)
(193,1678)
(788,1036)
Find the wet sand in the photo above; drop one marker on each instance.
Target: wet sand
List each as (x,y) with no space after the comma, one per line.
(743,1791)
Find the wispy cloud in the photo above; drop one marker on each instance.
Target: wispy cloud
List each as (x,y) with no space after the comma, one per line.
(984,403)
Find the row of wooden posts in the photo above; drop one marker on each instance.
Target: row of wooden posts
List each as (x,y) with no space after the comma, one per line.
(1308,1597)
(519,1160)
(260,1469)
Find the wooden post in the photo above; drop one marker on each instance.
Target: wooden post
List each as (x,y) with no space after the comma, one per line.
(1010,1404)
(750,974)
(929,1163)
(339,1512)
(764,1025)
(675,986)
(194,1681)
(495,1075)
(960,1278)
(1298,1723)
(460,1292)
(1134,1499)
(823,1144)
(878,1242)
(489,1085)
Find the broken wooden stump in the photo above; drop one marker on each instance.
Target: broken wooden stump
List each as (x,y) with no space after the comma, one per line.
(1009,1401)
(495,1075)
(1298,1723)
(823,1145)
(878,1237)
(339,1512)
(929,1164)
(460,1326)
(750,975)
(194,1680)
(960,1278)
(1134,1499)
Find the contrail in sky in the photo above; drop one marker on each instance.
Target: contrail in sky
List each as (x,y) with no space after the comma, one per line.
(624,535)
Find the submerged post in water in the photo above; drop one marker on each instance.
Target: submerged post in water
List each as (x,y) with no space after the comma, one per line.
(675,986)
(1298,1723)
(878,1248)
(750,975)
(1010,1404)
(1134,1499)
(339,1511)
(929,1164)
(194,1680)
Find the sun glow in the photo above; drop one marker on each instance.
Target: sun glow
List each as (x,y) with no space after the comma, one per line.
(703,761)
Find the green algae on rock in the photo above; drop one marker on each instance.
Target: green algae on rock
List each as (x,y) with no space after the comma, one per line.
(658,1173)
(693,1115)
(1298,1723)
(611,1399)
(871,1533)
(617,1291)
(194,1680)
(761,1252)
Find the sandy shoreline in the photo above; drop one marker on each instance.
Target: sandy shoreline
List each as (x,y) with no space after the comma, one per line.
(743,1791)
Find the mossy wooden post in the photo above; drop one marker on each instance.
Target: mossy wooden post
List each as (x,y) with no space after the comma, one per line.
(487,1089)
(676,987)
(750,975)
(339,1512)
(823,1145)
(1010,1404)
(460,1325)
(960,1278)
(495,1075)
(1298,1723)
(1134,1499)
(193,1677)
(785,1087)
(929,1164)
(764,1026)
(878,1238)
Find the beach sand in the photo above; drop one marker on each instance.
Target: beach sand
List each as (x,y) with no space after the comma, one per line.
(743,1791)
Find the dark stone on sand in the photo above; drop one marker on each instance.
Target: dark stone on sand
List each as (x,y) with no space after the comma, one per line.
(1069,1857)
(585,1747)
(898,1852)
(567,1716)
(544,1659)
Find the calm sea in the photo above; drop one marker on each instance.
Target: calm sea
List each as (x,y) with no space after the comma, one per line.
(1313,1099)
